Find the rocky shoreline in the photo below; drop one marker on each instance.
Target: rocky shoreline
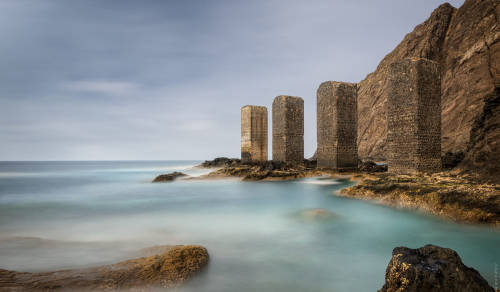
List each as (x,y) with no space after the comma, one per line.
(165,267)
(463,198)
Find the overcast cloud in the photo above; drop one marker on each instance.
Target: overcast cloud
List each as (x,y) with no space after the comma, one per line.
(106,80)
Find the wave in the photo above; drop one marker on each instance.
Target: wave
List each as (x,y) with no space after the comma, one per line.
(320,181)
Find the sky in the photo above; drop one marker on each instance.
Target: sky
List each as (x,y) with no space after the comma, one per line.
(165,79)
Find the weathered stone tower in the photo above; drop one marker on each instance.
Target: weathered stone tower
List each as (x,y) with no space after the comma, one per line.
(414,116)
(288,129)
(253,133)
(337,125)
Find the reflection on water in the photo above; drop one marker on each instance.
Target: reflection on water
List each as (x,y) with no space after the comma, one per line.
(262,236)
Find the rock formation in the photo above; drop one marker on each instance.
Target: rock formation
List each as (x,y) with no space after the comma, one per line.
(166,270)
(288,129)
(337,125)
(414,116)
(466,43)
(169,177)
(484,145)
(221,162)
(253,133)
(431,269)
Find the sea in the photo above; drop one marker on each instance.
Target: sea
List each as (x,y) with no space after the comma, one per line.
(261,236)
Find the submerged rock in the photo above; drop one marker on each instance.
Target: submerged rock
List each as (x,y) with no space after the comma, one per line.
(169,177)
(317,214)
(165,270)
(431,268)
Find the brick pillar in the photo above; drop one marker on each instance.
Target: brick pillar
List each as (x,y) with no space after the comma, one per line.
(337,125)
(288,129)
(253,133)
(414,117)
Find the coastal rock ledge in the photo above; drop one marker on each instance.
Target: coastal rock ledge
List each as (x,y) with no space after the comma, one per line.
(166,270)
(432,269)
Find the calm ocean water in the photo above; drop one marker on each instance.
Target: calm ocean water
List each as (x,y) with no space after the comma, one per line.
(58,215)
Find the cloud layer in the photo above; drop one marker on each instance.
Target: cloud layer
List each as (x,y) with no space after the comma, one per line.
(91,79)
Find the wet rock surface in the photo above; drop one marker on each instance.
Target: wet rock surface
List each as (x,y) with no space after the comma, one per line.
(169,177)
(432,269)
(166,270)
(461,198)
(269,170)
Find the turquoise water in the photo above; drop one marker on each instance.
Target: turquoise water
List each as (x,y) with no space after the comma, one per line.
(57,215)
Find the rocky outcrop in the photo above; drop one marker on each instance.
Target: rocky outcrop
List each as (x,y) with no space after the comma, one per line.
(432,269)
(169,177)
(165,270)
(484,145)
(466,43)
(221,162)
(459,198)
(269,170)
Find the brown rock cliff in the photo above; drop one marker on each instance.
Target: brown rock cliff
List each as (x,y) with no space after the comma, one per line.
(466,43)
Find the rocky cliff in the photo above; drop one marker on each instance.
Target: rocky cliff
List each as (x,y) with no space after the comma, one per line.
(466,43)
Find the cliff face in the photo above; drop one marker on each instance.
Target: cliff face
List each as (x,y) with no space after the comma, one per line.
(466,43)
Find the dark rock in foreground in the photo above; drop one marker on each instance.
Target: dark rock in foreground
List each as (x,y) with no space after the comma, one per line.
(166,270)
(431,268)
(168,177)
(221,162)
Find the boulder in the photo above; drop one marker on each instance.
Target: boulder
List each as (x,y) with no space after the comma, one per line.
(168,177)
(432,269)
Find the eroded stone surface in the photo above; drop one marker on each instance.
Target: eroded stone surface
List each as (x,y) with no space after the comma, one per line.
(432,269)
(288,129)
(414,116)
(253,133)
(337,125)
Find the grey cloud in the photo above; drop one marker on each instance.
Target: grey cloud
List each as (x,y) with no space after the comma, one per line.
(166,79)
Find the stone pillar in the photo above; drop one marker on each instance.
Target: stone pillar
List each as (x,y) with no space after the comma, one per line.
(337,125)
(253,133)
(414,117)
(288,129)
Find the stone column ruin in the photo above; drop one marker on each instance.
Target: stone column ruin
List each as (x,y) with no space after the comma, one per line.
(253,133)
(288,129)
(337,126)
(414,117)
